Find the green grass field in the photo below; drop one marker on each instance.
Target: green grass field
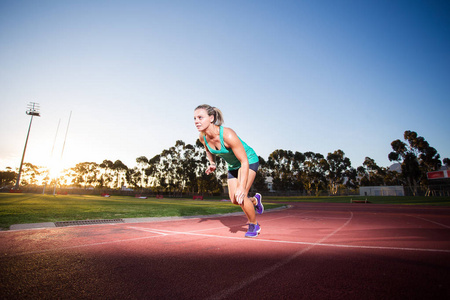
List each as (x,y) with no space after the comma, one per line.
(36,208)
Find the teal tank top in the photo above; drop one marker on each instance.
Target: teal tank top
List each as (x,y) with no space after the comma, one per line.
(228,155)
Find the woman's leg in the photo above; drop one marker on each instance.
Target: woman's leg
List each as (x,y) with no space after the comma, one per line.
(249,202)
(232,185)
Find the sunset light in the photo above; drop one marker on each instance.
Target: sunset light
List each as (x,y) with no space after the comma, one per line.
(255,149)
(298,76)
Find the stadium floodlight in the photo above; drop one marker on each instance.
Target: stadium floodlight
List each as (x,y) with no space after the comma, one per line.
(33,111)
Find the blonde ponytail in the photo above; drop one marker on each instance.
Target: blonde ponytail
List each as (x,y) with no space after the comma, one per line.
(213,111)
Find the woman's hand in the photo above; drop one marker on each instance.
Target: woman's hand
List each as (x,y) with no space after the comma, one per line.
(211,168)
(239,195)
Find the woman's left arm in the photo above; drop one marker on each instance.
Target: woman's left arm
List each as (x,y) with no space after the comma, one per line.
(232,141)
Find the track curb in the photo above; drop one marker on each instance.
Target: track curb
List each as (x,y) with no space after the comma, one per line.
(45,225)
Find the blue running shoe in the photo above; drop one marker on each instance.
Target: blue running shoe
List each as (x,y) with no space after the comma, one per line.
(259,206)
(253,230)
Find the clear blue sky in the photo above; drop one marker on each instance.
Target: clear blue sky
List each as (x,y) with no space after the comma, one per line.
(295,75)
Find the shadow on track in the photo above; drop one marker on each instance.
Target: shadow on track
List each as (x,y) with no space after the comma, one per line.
(235,223)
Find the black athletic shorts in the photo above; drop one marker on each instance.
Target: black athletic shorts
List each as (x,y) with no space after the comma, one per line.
(234,173)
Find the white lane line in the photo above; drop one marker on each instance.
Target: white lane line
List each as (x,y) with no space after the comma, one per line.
(233,289)
(161,233)
(147,230)
(84,245)
(235,225)
(385,248)
(445,226)
(194,233)
(270,220)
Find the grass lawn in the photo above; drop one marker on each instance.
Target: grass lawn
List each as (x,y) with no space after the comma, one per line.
(37,208)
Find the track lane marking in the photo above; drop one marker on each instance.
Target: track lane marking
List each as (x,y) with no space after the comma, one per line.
(233,289)
(194,233)
(146,230)
(163,233)
(445,226)
(83,245)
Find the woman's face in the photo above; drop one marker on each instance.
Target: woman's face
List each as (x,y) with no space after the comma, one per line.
(202,120)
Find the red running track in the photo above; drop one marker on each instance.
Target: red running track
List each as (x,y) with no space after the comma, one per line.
(309,251)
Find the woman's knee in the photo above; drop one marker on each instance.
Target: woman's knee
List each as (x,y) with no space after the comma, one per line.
(233,200)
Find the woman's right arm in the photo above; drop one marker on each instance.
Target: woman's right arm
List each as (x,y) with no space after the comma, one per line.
(212,161)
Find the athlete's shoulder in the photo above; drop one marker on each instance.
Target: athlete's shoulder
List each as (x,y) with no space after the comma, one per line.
(228,133)
(230,137)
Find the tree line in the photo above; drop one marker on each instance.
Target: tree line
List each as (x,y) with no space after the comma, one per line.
(181,169)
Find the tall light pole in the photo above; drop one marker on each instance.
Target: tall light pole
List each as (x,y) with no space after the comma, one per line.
(33,111)
(62,151)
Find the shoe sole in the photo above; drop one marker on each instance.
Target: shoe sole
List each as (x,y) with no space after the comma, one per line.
(257,233)
(260,202)
(252,236)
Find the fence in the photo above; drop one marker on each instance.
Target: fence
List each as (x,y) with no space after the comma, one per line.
(432,190)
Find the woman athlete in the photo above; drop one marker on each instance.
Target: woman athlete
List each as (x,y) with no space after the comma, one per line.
(241,159)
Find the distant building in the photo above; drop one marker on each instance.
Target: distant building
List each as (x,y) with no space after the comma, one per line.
(439,182)
(381,191)
(441,174)
(269,181)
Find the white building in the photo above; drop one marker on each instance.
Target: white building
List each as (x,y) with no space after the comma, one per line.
(382,191)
